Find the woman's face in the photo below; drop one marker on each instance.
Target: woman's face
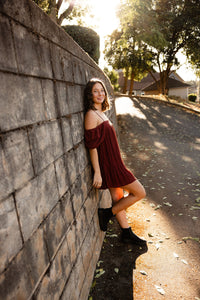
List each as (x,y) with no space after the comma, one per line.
(98,93)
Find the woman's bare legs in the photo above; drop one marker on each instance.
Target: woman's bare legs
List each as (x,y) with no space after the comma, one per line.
(120,203)
(116,195)
(136,192)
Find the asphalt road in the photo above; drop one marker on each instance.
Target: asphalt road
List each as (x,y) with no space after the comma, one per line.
(160,143)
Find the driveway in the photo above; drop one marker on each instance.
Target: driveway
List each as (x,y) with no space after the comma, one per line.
(160,144)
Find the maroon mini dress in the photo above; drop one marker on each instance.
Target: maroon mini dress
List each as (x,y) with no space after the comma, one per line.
(113,171)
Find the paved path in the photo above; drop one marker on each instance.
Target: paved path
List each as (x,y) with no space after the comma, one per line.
(161,145)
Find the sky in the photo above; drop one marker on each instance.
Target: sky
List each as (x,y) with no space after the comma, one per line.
(105,22)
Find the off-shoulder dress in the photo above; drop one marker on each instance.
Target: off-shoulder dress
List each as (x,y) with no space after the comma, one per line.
(113,171)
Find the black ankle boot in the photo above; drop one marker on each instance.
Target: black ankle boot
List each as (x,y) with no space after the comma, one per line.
(105,214)
(129,237)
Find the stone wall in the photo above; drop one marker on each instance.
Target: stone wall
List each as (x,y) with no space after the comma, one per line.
(49,232)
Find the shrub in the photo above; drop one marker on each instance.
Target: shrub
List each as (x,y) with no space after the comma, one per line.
(87,39)
(192,97)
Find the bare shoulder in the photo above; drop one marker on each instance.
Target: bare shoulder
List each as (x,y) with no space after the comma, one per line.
(91,120)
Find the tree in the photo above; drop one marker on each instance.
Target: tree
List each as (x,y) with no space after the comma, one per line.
(113,76)
(124,50)
(165,26)
(53,9)
(87,39)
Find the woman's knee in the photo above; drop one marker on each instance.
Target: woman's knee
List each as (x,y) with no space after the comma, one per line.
(138,190)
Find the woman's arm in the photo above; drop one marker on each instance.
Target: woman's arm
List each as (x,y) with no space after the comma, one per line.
(91,121)
(97,180)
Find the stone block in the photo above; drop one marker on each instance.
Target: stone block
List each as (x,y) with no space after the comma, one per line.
(26,47)
(43,24)
(79,76)
(63,103)
(54,280)
(82,157)
(88,278)
(15,162)
(71,166)
(17,10)
(62,176)
(36,200)
(67,209)
(77,129)
(66,59)
(54,229)
(75,283)
(56,139)
(67,134)
(25,270)
(77,196)
(46,144)
(70,292)
(10,237)
(23,105)
(15,282)
(90,205)
(75,98)
(7,54)
(87,248)
(43,50)
(56,62)
(49,99)
(72,243)
(36,256)
(41,146)
(81,227)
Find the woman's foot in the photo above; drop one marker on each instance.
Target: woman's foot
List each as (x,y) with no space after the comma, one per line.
(129,237)
(105,214)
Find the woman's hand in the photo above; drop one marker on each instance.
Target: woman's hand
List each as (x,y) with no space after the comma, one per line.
(97,180)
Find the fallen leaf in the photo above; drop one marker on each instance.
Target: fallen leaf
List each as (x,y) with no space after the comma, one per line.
(167,204)
(160,290)
(116,270)
(198,200)
(176,255)
(190,238)
(194,218)
(143,272)
(184,261)
(101,272)
(150,235)
(158,207)
(111,235)
(157,246)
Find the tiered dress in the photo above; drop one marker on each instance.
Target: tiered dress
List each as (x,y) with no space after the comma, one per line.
(113,171)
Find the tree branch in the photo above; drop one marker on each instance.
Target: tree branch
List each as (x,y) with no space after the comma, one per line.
(59,3)
(66,12)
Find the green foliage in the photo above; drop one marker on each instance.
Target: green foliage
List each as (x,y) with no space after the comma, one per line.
(192,97)
(165,27)
(113,76)
(87,39)
(74,10)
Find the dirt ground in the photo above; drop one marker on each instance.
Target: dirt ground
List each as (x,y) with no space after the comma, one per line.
(160,144)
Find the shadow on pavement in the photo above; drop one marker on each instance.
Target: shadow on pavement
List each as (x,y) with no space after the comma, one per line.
(117,281)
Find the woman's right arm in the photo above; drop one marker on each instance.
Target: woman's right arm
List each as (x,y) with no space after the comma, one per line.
(97,180)
(91,122)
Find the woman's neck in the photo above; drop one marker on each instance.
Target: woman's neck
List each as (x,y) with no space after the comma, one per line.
(98,107)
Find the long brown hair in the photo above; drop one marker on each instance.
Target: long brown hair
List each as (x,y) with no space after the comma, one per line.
(88,98)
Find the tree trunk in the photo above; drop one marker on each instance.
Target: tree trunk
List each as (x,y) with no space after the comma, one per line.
(125,82)
(131,84)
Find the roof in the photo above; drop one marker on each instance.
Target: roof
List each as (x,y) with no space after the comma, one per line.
(172,83)
(148,83)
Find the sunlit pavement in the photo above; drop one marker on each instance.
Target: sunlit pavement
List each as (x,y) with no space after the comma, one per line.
(161,145)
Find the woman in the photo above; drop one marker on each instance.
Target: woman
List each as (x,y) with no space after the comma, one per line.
(109,169)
